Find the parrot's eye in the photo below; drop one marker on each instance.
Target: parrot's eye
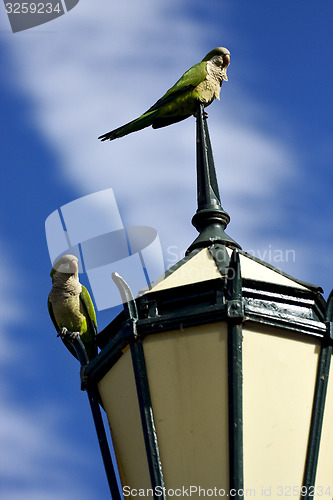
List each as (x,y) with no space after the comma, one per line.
(218,61)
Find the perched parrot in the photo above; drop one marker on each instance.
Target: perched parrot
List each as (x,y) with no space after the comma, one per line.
(70,305)
(201,83)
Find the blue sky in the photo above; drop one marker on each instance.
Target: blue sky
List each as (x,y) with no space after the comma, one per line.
(102,64)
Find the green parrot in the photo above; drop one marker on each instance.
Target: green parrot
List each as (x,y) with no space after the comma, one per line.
(70,305)
(201,83)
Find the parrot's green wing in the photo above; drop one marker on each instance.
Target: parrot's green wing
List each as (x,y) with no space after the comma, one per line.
(56,326)
(173,107)
(89,306)
(49,306)
(190,79)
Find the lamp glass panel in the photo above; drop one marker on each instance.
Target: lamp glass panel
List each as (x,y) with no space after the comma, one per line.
(279,375)
(188,379)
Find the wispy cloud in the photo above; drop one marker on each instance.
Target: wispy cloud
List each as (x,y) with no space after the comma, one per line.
(37,455)
(12,308)
(92,70)
(36,460)
(92,77)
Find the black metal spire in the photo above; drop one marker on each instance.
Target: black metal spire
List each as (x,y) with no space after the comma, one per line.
(210,219)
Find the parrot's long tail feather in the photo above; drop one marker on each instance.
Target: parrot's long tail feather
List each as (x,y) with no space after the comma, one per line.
(142,122)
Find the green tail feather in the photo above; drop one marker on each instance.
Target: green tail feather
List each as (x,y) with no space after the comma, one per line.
(142,122)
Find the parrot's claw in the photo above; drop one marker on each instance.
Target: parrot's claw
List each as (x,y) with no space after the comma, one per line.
(65,333)
(73,335)
(62,333)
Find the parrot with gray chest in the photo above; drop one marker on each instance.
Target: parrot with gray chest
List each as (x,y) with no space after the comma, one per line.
(70,305)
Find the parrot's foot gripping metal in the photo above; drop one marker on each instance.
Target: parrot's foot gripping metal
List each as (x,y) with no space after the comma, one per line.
(74,339)
(200,110)
(66,334)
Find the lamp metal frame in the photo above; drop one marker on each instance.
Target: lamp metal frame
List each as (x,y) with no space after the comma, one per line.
(229,298)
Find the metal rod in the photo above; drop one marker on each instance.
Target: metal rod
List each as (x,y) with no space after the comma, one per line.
(130,309)
(318,404)
(208,191)
(210,219)
(103,444)
(235,376)
(74,339)
(147,419)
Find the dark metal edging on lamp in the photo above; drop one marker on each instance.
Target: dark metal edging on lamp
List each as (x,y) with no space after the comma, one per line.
(93,396)
(141,380)
(233,309)
(230,299)
(210,219)
(235,317)
(319,404)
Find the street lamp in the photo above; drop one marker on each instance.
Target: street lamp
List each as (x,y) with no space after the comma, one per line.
(216,381)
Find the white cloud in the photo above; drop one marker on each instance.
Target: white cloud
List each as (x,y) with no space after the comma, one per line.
(92,70)
(22,437)
(12,308)
(38,458)
(90,75)
(96,68)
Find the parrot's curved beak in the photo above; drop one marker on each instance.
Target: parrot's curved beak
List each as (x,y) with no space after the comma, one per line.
(73,267)
(226,62)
